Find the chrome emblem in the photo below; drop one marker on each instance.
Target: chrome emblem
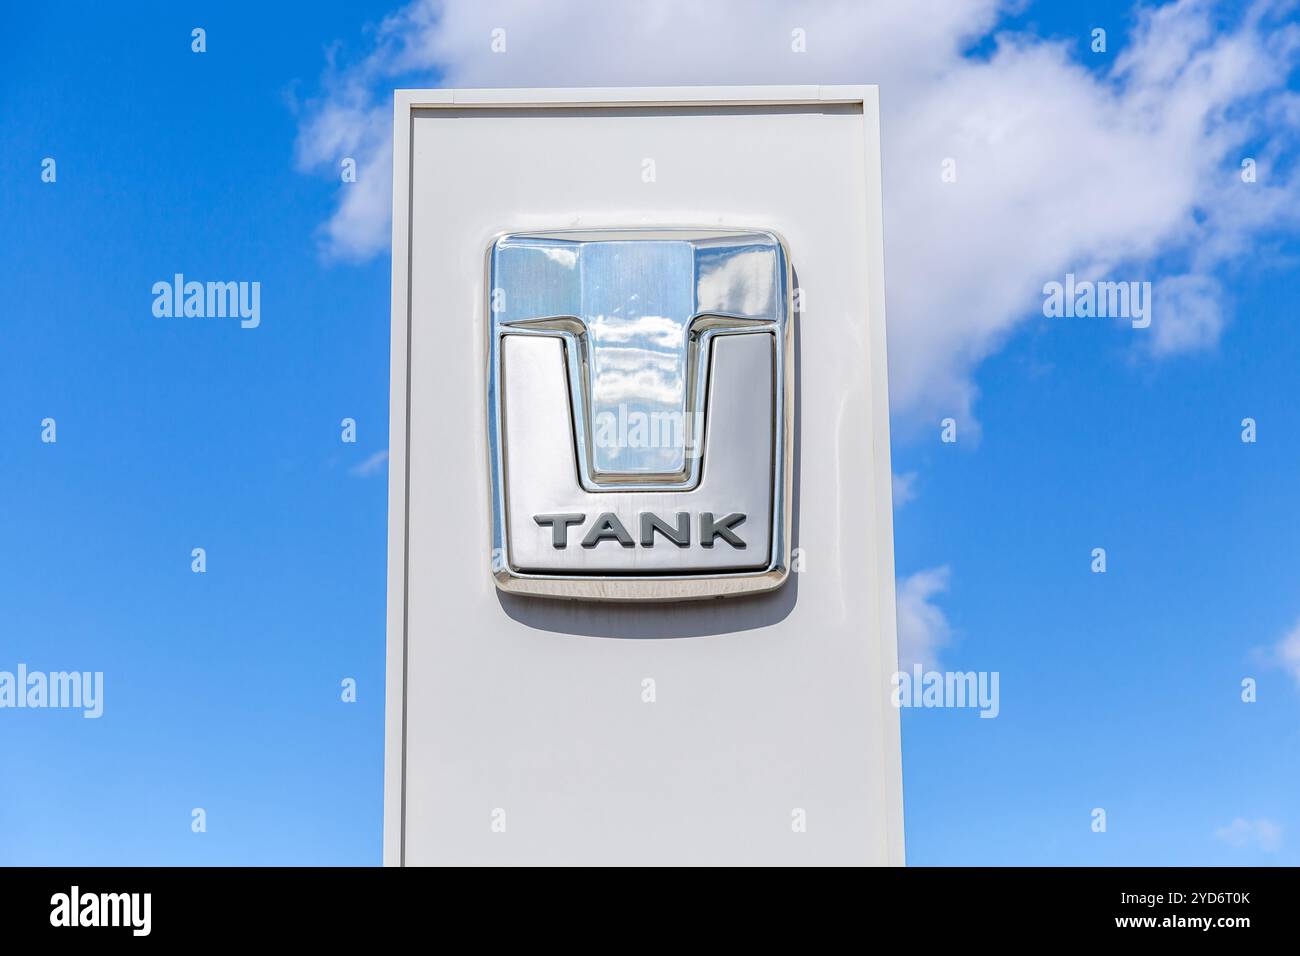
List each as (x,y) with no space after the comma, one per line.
(640,399)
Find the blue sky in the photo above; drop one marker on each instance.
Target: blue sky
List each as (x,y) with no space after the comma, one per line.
(1119,691)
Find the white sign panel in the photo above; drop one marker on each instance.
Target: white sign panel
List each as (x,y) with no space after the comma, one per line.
(641,605)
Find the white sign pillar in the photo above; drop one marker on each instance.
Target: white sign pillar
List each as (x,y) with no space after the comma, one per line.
(707,685)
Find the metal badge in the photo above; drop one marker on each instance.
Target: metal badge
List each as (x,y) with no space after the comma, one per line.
(640,399)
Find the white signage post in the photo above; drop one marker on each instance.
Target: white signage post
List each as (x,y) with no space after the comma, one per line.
(664,650)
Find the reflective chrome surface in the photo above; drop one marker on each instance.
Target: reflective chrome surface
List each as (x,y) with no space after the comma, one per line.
(635,373)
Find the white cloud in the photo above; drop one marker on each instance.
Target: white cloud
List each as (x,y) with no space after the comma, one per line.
(1131,172)
(1287,652)
(371,466)
(922,627)
(904,488)
(1191,314)
(1263,834)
